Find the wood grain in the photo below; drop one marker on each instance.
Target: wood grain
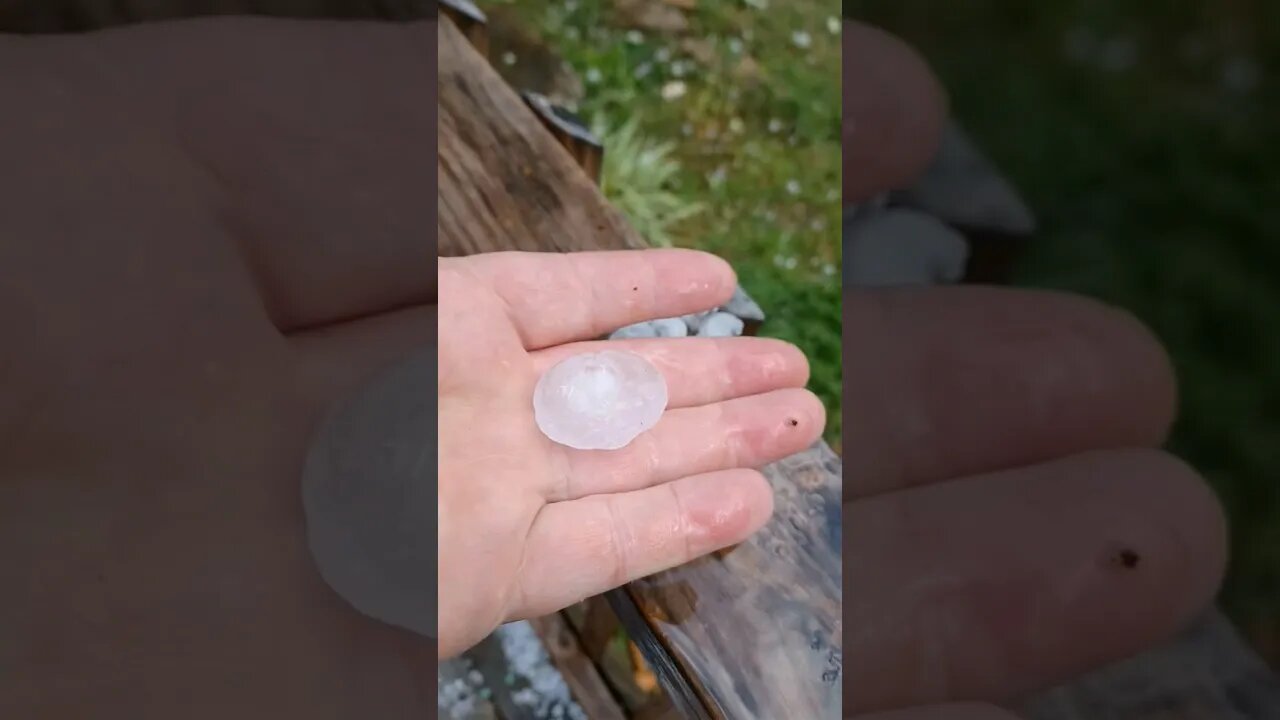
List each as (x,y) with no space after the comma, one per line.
(580,674)
(755,632)
(505,183)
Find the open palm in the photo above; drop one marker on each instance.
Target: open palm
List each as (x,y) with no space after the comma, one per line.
(529,526)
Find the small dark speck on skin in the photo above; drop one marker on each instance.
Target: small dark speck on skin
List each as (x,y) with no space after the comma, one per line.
(1127,558)
(793,422)
(635,287)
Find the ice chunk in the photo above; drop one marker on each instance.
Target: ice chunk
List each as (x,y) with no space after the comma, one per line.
(599,401)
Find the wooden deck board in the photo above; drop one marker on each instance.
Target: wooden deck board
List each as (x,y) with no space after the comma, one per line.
(505,183)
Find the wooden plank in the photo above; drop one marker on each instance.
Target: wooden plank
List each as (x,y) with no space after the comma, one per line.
(571,132)
(470,21)
(505,183)
(584,680)
(755,632)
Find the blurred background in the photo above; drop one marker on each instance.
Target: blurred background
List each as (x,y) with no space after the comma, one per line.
(1146,138)
(721,126)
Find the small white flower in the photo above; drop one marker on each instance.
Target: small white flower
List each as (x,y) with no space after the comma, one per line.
(642,70)
(662,55)
(735,45)
(789,263)
(635,37)
(801,39)
(736,126)
(678,69)
(508,58)
(717,178)
(674,90)
(833,25)
(793,187)
(594,76)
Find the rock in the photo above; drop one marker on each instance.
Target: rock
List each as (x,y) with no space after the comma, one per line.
(694,321)
(670,327)
(898,247)
(700,49)
(963,188)
(748,72)
(651,15)
(639,330)
(743,306)
(599,401)
(721,324)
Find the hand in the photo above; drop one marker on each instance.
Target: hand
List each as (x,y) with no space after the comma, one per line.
(1008,522)
(212,231)
(551,525)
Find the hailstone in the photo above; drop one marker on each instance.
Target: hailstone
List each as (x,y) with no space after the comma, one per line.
(599,401)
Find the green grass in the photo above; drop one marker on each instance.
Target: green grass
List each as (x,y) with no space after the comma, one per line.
(1157,187)
(745,168)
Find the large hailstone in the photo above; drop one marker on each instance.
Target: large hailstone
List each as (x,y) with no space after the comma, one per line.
(599,401)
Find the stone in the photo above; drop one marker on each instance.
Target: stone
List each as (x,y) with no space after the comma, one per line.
(743,306)
(962,188)
(599,401)
(638,330)
(899,247)
(651,15)
(694,321)
(669,327)
(721,324)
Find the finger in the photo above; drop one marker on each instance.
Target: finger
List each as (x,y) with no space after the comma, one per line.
(336,360)
(996,586)
(585,547)
(699,371)
(893,116)
(954,381)
(554,298)
(316,154)
(955,711)
(744,432)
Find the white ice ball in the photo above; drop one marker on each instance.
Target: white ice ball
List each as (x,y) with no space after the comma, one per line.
(599,401)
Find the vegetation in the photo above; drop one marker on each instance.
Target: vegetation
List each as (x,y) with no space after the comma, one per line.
(724,136)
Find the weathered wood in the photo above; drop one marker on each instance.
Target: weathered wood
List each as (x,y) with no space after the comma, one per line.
(755,632)
(470,21)
(597,628)
(504,181)
(572,134)
(1207,673)
(582,676)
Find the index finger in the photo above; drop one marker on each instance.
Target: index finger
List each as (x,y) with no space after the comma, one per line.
(555,298)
